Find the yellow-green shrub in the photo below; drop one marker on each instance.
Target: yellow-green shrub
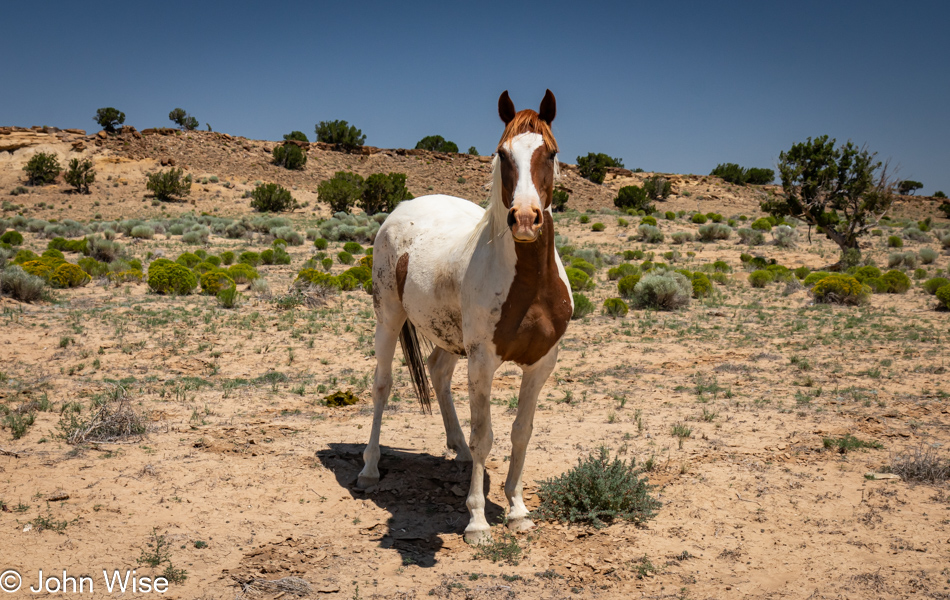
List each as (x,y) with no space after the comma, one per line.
(841,289)
(68,275)
(171,279)
(213,282)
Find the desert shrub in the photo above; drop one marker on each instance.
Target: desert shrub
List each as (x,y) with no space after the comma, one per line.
(896,282)
(42,168)
(920,274)
(344,258)
(780,272)
(314,278)
(721,266)
(895,259)
(68,275)
(593,167)
(714,231)
(945,240)
(298,136)
(670,215)
(109,118)
(631,197)
(188,259)
(171,278)
(326,263)
(751,237)
(865,272)
(699,218)
(436,143)
(928,255)
(275,256)
(702,286)
(915,234)
(250,258)
(178,229)
(801,272)
(762,224)
(895,241)
(597,227)
(583,265)
(270,197)
(353,248)
(621,271)
(342,191)
(921,463)
(812,278)
(20,285)
(615,307)
(227,257)
(215,261)
(760,278)
(932,285)
(80,175)
(12,237)
(340,133)
(650,234)
(213,282)
(579,280)
(142,232)
(662,290)
(53,253)
(839,288)
(229,297)
(583,219)
(169,185)
(582,306)
(235,231)
(943,294)
(93,267)
(320,244)
(910,260)
(598,491)
(380,193)
(242,273)
(204,267)
(648,220)
(559,200)
(730,172)
(290,156)
(682,237)
(784,236)
(657,187)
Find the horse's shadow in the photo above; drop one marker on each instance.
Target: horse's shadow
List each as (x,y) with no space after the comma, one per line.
(424,495)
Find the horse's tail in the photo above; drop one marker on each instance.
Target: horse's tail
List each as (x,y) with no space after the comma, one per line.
(409,340)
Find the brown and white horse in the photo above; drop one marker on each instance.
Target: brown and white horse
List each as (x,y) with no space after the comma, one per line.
(486,284)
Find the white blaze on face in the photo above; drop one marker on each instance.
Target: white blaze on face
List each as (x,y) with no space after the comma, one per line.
(526,205)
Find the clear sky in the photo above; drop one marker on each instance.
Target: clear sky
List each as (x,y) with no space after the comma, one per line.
(667,86)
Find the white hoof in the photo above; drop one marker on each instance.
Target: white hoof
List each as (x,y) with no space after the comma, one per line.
(522,524)
(477,537)
(363,481)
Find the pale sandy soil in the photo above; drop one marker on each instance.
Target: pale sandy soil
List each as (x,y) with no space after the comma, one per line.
(250,477)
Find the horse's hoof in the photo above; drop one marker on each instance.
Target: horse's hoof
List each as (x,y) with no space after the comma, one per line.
(476,537)
(523,524)
(464,457)
(363,482)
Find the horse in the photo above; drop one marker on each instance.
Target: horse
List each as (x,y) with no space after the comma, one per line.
(484,284)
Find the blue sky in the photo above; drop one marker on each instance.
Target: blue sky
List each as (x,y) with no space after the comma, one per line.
(668,86)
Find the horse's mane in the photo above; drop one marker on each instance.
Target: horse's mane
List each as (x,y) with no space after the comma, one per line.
(495,219)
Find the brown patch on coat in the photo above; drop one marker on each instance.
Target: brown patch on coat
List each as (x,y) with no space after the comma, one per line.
(537,310)
(542,174)
(509,176)
(402,271)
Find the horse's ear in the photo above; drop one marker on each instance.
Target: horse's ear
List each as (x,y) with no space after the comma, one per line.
(506,108)
(548,108)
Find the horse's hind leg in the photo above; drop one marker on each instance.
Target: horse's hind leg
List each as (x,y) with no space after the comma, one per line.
(531,382)
(387,335)
(441,366)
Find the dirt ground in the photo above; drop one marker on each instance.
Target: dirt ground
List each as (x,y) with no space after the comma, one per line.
(246,478)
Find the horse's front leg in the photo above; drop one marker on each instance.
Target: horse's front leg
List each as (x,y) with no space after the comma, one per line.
(531,382)
(481,370)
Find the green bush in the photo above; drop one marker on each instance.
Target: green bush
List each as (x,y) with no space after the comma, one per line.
(320,244)
(381,193)
(593,167)
(943,294)
(342,191)
(340,133)
(227,257)
(242,273)
(699,218)
(169,185)
(213,282)
(42,168)
(702,286)
(597,227)
(721,266)
(895,241)
(733,173)
(290,156)
(12,237)
(663,290)
(865,272)
(812,278)
(896,282)
(760,278)
(928,255)
(578,279)
(68,275)
(229,297)
(583,265)
(582,306)
(188,259)
(436,143)
(353,248)
(657,187)
(762,224)
(80,175)
(109,118)
(932,285)
(648,220)
(20,285)
(598,491)
(323,281)
(344,258)
(841,289)
(93,267)
(270,197)
(622,270)
(631,197)
(250,258)
(296,136)
(670,215)
(171,278)
(615,307)
(559,200)
(714,231)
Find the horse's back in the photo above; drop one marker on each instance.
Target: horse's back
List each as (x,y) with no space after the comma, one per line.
(419,258)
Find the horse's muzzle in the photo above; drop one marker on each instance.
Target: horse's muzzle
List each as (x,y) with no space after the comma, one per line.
(525,223)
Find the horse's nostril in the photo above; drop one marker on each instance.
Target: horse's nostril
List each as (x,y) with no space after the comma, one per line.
(511,218)
(537,218)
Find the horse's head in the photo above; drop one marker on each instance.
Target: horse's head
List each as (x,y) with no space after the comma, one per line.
(527,157)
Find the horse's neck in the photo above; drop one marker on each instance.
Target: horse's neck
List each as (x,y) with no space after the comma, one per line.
(534,264)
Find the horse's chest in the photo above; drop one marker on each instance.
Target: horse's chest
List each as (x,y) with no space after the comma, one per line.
(530,326)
